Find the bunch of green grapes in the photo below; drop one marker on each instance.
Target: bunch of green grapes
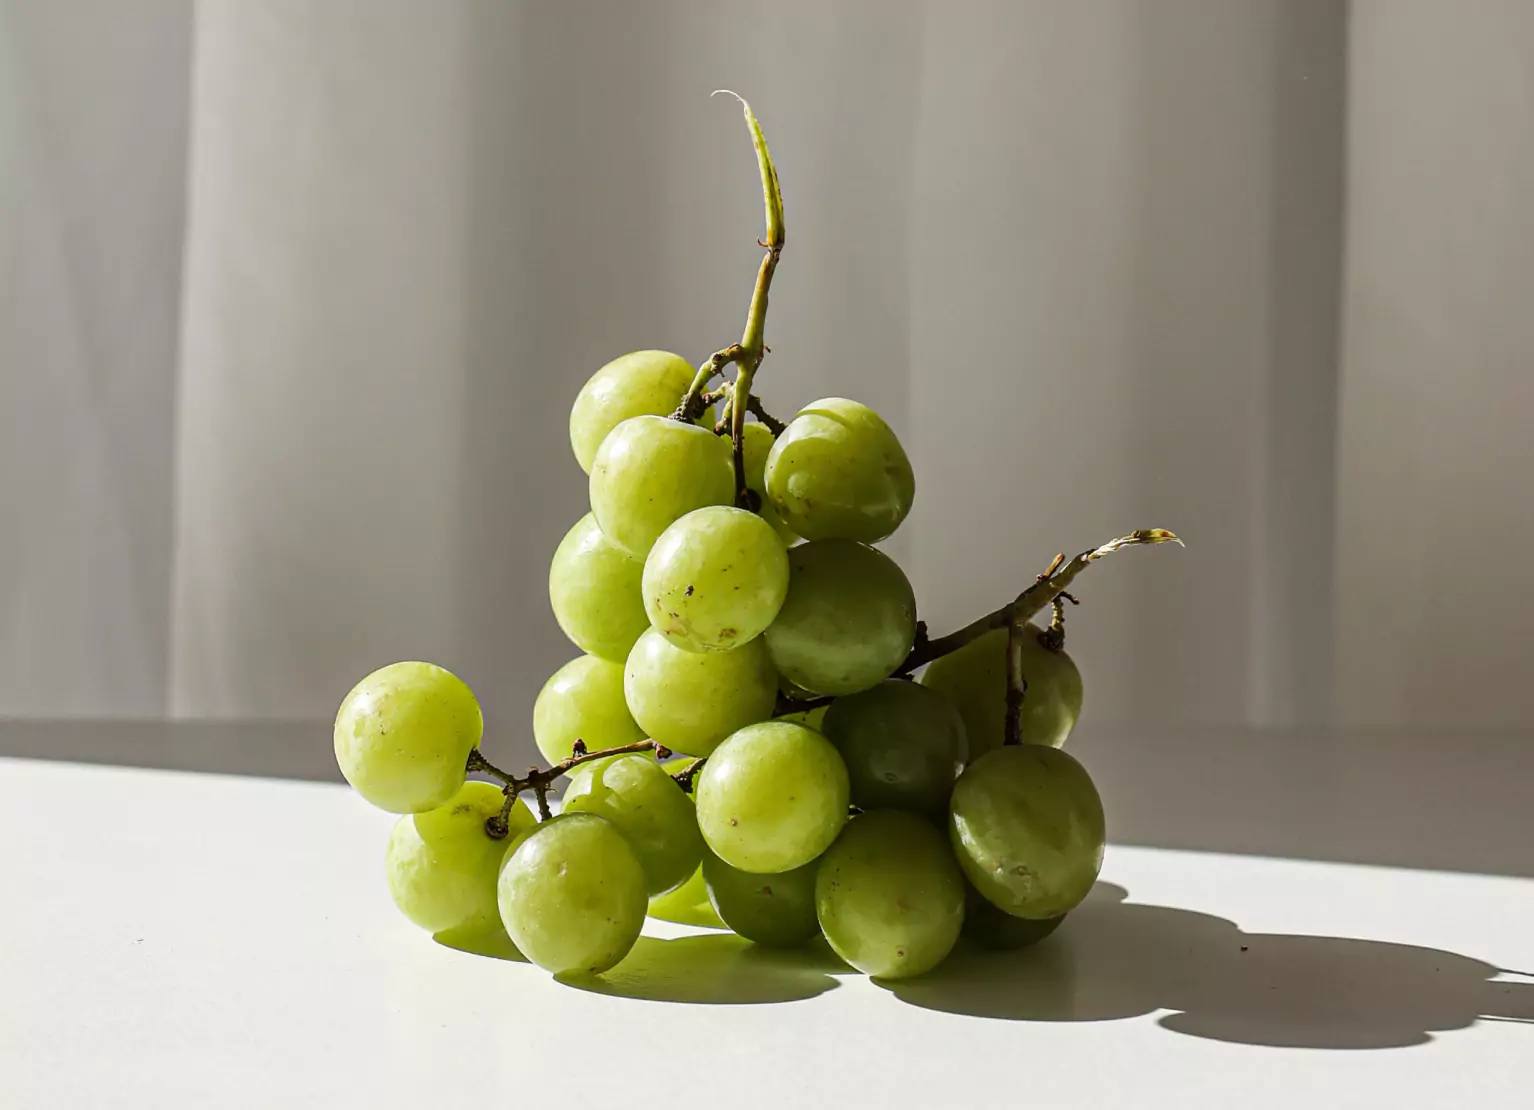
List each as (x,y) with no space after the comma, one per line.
(731,611)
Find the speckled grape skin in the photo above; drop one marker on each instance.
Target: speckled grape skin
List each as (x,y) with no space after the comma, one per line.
(776,911)
(715,579)
(442,865)
(1027,826)
(636,384)
(583,700)
(594,590)
(838,472)
(690,701)
(974,678)
(657,819)
(849,619)
(772,797)
(403,736)
(903,745)
(651,471)
(889,896)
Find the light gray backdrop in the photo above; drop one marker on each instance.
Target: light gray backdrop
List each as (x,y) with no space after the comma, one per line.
(294,297)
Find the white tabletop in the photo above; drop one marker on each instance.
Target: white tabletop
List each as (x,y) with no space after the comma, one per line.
(175,939)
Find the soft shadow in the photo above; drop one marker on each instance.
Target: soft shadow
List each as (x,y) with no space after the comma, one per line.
(497,946)
(715,969)
(1116,959)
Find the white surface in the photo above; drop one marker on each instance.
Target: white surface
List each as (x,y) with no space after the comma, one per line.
(173,940)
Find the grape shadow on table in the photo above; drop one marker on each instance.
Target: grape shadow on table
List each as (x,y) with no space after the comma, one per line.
(1116,959)
(717,969)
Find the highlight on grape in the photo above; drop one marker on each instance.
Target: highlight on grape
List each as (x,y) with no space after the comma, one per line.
(758,734)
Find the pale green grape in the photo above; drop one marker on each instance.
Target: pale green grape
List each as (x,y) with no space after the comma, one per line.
(690,701)
(810,718)
(772,797)
(583,700)
(974,678)
(998,929)
(572,895)
(442,865)
(903,745)
(594,591)
(638,796)
(715,579)
(637,384)
(403,736)
(1027,825)
(838,472)
(849,619)
(755,445)
(650,471)
(889,896)
(687,905)
(773,910)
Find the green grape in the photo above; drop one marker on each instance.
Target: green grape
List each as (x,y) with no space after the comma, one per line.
(687,905)
(756,443)
(594,591)
(903,745)
(772,910)
(809,718)
(715,579)
(442,865)
(889,896)
(652,470)
(974,678)
(637,384)
(583,700)
(690,701)
(838,472)
(638,796)
(403,736)
(1027,826)
(848,622)
(998,929)
(572,894)
(772,797)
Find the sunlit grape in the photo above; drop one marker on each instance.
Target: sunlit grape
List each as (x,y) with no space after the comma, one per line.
(690,701)
(715,579)
(773,910)
(583,700)
(636,384)
(657,819)
(594,591)
(974,678)
(650,471)
(903,745)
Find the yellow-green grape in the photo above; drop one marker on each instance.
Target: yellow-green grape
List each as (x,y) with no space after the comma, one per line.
(998,929)
(638,796)
(1027,826)
(583,700)
(572,895)
(903,745)
(974,678)
(403,736)
(637,384)
(849,619)
(650,471)
(755,444)
(442,865)
(809,718)
(594,591)
(838,472)
(715,579)
(690,701)
(772,797)
(773,910)
(889,896)
(688,904)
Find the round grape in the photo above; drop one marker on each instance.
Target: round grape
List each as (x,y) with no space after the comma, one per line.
(583,700)
(889,895)
(772,797)
(652,470)
(849,619)
(637,384)
(755,445)
(638,796)
(690,701)
(715,579)
(903,745)
(998,929)
(442,865)
(773,910)
(974,678)
(1027,825)
(594,590)
(838,472)
(403,736)
(572,895)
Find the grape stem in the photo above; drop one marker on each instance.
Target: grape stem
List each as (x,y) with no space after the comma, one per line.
(684,778)
(774,425)
(541,780)
(787,705)
(1017,683)
(1050,585)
